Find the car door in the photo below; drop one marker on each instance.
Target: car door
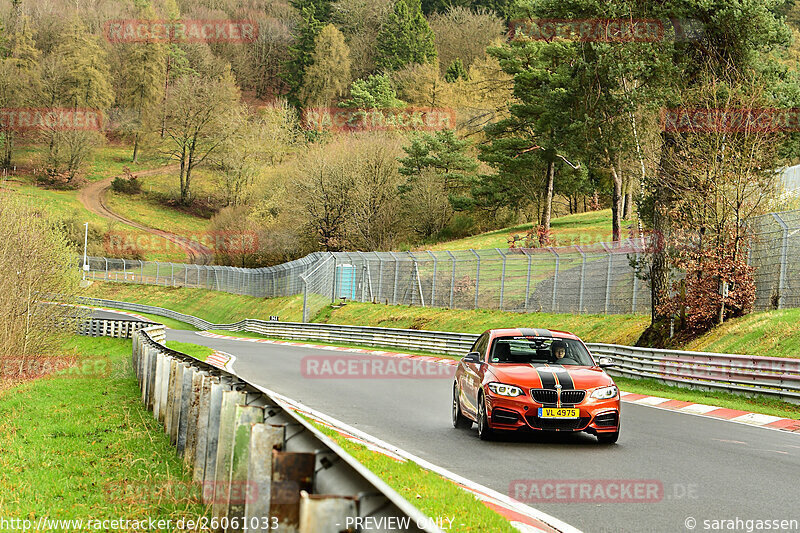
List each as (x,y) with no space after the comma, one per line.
(472,377)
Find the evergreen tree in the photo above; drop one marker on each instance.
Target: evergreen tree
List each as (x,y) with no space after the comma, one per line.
(376,92)
(322,9)
(456,71)
(405,37)
(445,154)
(329,74)
(302,52)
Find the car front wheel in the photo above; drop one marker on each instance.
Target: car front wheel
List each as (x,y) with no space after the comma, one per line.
(484,431)
(459,420)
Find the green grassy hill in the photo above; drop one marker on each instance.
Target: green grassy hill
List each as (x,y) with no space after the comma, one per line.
(581,228)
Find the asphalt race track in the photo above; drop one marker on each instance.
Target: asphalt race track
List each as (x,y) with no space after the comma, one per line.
(709,469)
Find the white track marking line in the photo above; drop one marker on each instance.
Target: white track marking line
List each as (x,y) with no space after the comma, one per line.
(757,419)
(651,400)
(698,409)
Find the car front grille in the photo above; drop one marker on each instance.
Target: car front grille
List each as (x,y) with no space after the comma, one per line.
(556,424)
(544,395)
(572,396)
(550,396)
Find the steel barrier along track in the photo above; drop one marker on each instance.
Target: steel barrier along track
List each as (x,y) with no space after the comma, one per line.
(262,467)
(777,377)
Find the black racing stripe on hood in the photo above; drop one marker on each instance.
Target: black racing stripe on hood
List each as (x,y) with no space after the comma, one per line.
(547,378)
(535,332)
(564,379)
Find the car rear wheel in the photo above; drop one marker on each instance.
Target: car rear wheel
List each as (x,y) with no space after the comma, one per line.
(607,438)
(484,431)
(459,420)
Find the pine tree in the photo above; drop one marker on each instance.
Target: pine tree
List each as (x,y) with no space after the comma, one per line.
(329,74)
(405,37)
(376,92)
(301,53)
(456,71)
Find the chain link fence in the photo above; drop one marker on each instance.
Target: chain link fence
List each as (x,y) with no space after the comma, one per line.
(774,254)
(589,279)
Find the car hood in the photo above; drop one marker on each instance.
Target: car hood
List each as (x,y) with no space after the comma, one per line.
(532,376)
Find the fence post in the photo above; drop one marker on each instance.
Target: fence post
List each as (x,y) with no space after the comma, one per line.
(635,278)
(452,279)
(528,280)
(380,276)
(396,274)
(106,260)
(433,283)
(333,294)
(124,270)
(583,278)
(554,306)
(172,267)
(477,276)
(608,277)
(305,298)
(784,249)
(502,278)
(141,270)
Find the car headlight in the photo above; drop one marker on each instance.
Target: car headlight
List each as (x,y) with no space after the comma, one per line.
(502,389)
(605,393)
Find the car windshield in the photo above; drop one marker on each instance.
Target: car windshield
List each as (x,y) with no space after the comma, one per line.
(523,350)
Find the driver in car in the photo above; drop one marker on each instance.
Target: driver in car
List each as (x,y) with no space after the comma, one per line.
(559,351)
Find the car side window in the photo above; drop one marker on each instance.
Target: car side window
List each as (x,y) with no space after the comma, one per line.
(480,345)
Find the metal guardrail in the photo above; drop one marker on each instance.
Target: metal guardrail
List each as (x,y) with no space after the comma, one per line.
(121,329)
(776,377)
(261,467)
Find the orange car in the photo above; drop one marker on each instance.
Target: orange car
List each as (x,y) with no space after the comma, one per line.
(535,379)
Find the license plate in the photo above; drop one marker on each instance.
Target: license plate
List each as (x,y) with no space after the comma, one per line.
(553,412)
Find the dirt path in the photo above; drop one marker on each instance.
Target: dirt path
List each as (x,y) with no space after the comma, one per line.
(93,198)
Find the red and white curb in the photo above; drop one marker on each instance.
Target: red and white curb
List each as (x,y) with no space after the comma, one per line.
(712,411)
(698,409)
(221,360)
(522,517)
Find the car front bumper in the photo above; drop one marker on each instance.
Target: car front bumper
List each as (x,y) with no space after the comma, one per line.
(521,413)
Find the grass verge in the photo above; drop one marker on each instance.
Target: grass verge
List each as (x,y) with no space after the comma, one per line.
(195,350)
(82,446)
(763,405)
(214,306)
(430,493)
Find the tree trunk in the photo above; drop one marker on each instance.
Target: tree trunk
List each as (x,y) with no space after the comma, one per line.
(548,196)
(616,204)
(659,268)
(135,158)
(628,211)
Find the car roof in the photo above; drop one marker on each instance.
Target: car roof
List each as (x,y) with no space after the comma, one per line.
(531,332)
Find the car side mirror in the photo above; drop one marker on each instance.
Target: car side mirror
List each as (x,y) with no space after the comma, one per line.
(472,357)
(606,362)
